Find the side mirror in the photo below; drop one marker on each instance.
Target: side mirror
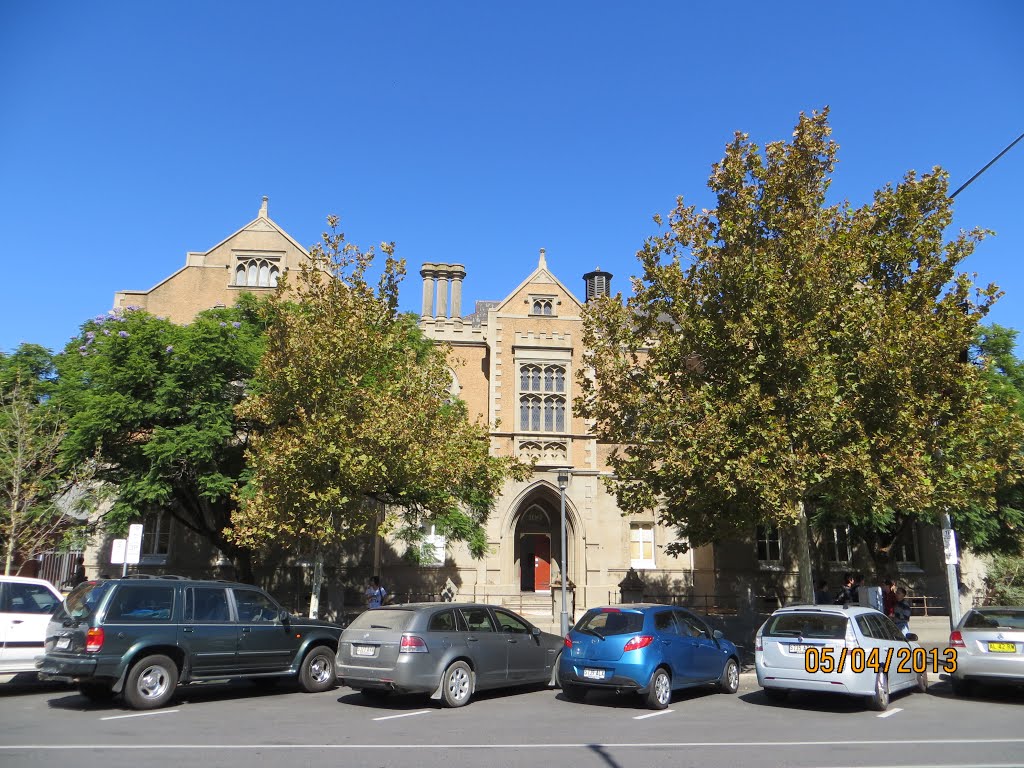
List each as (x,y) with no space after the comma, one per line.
(911,637)
(717,634)
(284,617)
(535,632)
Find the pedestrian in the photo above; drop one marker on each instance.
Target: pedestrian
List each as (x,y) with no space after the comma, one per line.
(888,597)
(79,577)
(845,594)
(821,595)
(858,582)
(375,593)
(902,611)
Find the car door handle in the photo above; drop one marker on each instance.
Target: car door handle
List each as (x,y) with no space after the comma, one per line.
(666,642)
(187,629)
(511,640)
(472,639)
(17,621)
(246,630)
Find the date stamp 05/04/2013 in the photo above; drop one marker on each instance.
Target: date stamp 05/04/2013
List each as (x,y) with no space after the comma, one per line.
(901,660)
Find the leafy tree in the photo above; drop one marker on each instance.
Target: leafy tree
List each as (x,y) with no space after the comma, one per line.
(31,431)
(352,414)
(785,361)
(154,402)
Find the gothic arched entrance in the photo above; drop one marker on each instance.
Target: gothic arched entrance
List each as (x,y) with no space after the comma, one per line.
(538,541)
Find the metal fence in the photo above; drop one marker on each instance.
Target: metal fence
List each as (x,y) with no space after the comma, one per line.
(58,568)
(730,604)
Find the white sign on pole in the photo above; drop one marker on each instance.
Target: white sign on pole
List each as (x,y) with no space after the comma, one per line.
(949,546)
(117,552)
(133,554)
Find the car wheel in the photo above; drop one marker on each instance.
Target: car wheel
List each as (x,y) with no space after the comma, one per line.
(922,682)
(961,687)
(729,682)
(317,672)
(554,682)
(151,682)
(457,684)
(879,700)
(776,694)
(96,691)
(573,692)
(659,694)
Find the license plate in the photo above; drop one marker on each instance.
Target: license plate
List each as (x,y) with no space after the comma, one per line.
(797,648)
(364,650)
(63,643)
(1002,648)
(594,674)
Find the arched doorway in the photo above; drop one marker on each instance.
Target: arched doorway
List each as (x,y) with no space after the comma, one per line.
(538,541)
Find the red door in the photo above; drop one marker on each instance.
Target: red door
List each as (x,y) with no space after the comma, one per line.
(541,563)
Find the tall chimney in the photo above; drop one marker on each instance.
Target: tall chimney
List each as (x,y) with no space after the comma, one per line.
(458,273)
(427,273)
(598,284)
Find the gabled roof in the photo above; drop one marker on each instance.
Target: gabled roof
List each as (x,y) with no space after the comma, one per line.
(540,275)
(262,223)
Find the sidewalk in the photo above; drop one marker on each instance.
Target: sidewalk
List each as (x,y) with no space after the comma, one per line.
(931,631)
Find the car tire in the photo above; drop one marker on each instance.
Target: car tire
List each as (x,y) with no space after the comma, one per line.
(659,692)
(97,692)
(879,700)
(572,692)
(922,682)
(317,671)
(961,687)
(151,682)
(729,682)
(555,682)
(457,684)
(776,694)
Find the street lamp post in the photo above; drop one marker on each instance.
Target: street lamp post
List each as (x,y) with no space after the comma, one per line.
(563,481)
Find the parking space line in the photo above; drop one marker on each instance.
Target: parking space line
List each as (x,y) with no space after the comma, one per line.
(891,712)
(653,714)
(404,714)
(142,714)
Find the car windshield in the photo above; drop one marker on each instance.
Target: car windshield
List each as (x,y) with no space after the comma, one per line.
(821,626)
(395,619)
(84,598)
(610,621)
(1005,619)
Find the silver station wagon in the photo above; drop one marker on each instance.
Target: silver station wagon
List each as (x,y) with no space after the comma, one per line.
(450,650)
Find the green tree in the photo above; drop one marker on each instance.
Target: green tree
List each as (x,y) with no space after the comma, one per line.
(154,402)
(31,431)
(784,360)
(352,415)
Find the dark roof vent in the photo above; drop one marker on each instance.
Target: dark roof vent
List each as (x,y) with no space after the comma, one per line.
(598,283)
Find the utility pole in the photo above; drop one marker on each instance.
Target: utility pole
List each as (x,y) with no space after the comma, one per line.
(950,556)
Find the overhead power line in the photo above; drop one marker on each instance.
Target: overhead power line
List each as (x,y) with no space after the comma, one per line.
(990,162)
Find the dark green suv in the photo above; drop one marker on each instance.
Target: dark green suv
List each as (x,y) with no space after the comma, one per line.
(141,637)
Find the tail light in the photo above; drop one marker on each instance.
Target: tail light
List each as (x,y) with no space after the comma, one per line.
(568,642)
(412,644)
(638,642)
(758,644)
(956,640)
(94,639)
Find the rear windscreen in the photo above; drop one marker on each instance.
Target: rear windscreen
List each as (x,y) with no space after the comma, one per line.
(821,626)
(383,618)
(606,623)
(995,620)
(82,602)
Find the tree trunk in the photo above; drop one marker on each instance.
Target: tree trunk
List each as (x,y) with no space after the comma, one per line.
(803,553)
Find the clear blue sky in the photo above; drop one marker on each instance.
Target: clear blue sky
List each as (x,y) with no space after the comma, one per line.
(133,132)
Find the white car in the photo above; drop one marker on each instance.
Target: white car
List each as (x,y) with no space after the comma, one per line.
(25,609)
(834,649)
(989,646)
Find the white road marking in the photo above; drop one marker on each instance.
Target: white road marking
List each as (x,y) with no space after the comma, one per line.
(579,745)
(653,714)
(406,714)
(142,714)
(891,712)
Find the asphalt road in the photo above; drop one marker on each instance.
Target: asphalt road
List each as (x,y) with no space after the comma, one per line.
(240,725)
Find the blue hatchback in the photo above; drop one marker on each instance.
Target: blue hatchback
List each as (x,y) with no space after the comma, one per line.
(647,649)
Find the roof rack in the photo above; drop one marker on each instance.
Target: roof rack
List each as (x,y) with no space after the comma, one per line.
(155,576)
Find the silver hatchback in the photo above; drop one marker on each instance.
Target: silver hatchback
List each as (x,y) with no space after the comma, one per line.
(989,645)
(835,649)
(445,649)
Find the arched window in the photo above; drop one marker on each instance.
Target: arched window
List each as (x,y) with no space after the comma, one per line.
(543,307)
(274,274)
(264,274)
(252,277)
(240,275)
(539,410)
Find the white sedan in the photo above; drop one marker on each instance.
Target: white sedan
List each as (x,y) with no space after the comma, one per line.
(25,609)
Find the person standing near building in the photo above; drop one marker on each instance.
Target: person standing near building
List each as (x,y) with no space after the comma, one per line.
(846,595)
(821,595)
(888,597)
(79,577)
(375,593)
(902,611)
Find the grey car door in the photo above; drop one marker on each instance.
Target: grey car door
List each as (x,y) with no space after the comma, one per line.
(486,647)
(526,656)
